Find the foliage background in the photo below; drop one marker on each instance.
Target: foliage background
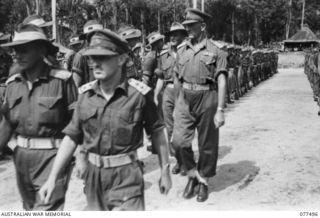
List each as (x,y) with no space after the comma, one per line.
(255,21)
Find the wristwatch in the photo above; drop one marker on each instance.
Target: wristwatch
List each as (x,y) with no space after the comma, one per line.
(220,109)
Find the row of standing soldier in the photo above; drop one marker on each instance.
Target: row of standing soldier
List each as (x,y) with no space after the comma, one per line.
(312,71)
(188,79)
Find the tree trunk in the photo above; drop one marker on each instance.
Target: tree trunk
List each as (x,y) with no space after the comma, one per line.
(115,14)
(127,13)
(195,2)
(289,19)
(256,30)
(38,7)
(232,22)
(29,7)
(54,21)
(159,21)
(302,17)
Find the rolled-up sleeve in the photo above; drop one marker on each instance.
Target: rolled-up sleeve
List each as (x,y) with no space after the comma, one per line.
(152,119)
(221,64)
(73,129)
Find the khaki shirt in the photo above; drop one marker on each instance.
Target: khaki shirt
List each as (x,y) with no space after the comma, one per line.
(116,126)
(80,66)
(45,109)
(201,63)
(168,63)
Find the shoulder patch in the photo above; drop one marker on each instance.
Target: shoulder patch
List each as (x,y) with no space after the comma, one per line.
(60,74)
(13,78)
(140,86)
(86,87)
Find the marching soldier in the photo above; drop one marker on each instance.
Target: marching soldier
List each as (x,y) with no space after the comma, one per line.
(81,71)
(133,37)
(202,69)
(75,45)
(38,105)
(151,60)
(166,78)
(108,120)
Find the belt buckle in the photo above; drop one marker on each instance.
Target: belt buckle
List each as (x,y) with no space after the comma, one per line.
(28,143)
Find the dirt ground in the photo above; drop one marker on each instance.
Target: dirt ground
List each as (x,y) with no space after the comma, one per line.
(269,156)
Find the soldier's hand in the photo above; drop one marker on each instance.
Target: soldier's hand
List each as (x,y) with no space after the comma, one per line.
(165,182)
(46,191)
(156,100)
(81,166)
(219,119)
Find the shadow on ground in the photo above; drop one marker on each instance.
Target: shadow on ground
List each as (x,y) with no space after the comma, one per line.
(151,162)
(227,175)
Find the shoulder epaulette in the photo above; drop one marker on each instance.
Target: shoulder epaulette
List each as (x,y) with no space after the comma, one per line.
(86,87)
(60,74)
(181,44)
(13,78)
(140,86)
(164,52)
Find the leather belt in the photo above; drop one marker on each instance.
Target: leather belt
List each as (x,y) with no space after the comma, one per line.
(195,87)
(38,143)
(170,85)
(112,160)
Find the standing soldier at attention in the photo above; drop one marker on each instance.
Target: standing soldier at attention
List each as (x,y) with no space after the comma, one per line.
(203,77)
(133,37)
(38,104)
(166,79)
(108,121)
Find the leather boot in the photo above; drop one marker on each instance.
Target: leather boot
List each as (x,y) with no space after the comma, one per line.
(176,169)
(203,193)
(189,189)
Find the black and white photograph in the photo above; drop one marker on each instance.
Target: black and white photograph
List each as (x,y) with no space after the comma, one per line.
(159,105)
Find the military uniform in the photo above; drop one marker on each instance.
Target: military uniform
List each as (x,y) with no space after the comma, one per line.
(36,115)
(107,129)
(149,65)
(197,104)
(80,66)
(134,68)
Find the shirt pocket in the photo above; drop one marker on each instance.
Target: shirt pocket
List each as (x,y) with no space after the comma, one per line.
(127,126)
(51,109)
(14,104)
(207,64)
(166,71)
(90,121)
(183,66)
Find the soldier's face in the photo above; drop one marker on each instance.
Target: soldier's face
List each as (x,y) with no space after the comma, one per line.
(107,67)
(176,38)
(194,30)
(27,55)
(133,42)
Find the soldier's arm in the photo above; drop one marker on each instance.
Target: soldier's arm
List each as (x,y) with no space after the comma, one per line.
(64,155)
(221,77)
(155,125)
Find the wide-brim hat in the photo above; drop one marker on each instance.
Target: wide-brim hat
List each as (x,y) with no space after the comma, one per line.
(176,27)
(90,26)
(4,37)
(37,20)
(138,45)
(194,16)
(75,41)
(154,37)
(106,43)
(130,34)
(30,33)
